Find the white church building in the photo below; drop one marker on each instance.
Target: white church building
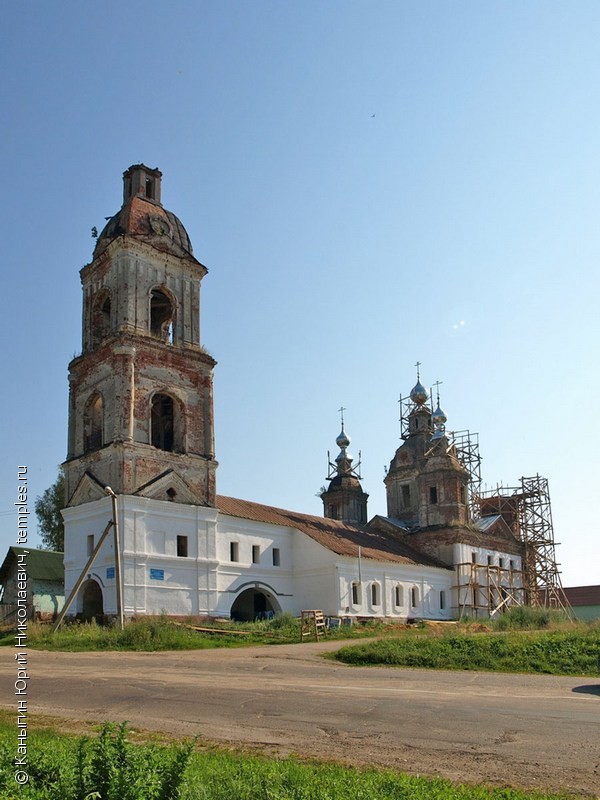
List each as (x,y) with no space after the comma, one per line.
(141,423)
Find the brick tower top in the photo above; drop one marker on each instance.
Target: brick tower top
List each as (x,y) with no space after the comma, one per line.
(142,216)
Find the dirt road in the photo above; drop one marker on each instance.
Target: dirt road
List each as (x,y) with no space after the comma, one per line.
(516,730)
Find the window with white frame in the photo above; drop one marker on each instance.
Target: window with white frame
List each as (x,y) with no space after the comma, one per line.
(375,594)
(414,597)
(398,598)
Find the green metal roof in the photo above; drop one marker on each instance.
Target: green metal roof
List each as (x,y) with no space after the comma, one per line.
(45,565)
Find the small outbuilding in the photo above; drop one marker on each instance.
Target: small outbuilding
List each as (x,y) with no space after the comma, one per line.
(584,600)
(45,582)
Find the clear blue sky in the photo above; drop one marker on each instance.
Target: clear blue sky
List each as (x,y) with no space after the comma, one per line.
(360,178)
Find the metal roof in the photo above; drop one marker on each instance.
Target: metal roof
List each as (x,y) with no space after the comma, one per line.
(44,565)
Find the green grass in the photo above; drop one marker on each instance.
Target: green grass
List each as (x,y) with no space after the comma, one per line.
(573,651)
(159,633)
(77,768)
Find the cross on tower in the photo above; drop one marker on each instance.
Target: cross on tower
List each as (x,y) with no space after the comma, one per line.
(417,365)
(341,410)
(437,385)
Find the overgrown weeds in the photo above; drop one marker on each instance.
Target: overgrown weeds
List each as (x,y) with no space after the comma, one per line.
(572,651)
(109,767)
(162,633)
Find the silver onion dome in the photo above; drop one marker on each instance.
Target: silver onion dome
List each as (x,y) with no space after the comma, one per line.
(438,417)
(418,394)
(343,440)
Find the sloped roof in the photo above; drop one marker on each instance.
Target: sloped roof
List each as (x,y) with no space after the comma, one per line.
(583,595)
(485,523)
(45,565)
(339,537)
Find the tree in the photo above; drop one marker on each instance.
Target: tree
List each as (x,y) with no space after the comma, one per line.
(47,508)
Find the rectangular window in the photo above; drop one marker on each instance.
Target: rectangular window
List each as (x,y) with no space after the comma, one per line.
(489,560)
(276,557)
(442,600)
(474,557)
(501,563)
(355,599)
(90,544)
(433,495)
(414,597)
(512,564)
(256,554)
(234,551)
(182,546)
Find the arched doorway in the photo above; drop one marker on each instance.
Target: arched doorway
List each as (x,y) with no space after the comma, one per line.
(92,601)
(254,603)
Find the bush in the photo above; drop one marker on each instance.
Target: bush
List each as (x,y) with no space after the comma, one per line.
(107,768)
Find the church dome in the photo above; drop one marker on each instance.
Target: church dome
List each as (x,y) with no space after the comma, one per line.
(343,440)
(418,394)
(438,417)
(143,217)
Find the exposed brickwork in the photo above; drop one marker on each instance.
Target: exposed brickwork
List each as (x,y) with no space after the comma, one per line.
(141,341)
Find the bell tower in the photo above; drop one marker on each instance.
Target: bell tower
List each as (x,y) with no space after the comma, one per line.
(141,398)
(344,498)
(426,484)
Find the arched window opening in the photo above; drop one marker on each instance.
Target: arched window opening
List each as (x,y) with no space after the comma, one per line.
(93,423)
(162,422)
(398,596)
(375,594)
(442,599)
(355,594)
(101,318)
(162,316)
(414,597)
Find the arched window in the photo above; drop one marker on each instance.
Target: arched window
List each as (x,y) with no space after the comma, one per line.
(162,315)
(355,594)
(442,599)
(101,317)
(414,597)
(375,594)
(398,595)
(162,422)
(93,423)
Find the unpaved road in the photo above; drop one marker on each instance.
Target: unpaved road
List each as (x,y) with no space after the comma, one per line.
(516,730)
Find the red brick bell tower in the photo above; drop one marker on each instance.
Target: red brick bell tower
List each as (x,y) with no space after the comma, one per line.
(141,400)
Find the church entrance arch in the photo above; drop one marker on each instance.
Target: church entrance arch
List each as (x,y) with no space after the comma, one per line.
(254,603)
(92,600)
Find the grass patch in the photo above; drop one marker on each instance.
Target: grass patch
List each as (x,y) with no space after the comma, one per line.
(572,651)
(159,633)
(110,767)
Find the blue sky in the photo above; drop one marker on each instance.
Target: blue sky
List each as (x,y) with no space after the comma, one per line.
(369,183)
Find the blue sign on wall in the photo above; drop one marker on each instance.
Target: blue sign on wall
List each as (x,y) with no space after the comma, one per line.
(110,572)
(157,574)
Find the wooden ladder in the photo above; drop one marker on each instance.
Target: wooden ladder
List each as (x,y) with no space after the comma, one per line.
(312,624)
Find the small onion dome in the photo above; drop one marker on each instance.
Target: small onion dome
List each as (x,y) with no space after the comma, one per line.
(418,394)
(342,440)
(438,417)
